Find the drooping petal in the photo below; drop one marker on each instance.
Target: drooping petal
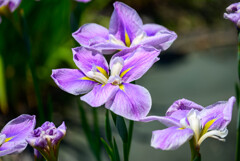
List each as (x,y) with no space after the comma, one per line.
(232,17)
(86,59)
(158,36)
(167,121)
(170,138)
(221,111)
(131,101)
(72,81)
(182,105)
(100,94)
(125,23)
(16,131)
(12,147)
(90,34)
(19,128)
(137,62)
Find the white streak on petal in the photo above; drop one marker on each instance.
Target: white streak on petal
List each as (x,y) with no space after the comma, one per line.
(97,76)
(195,123)
(114,40)
(138,39)
(217,134)
(117,66)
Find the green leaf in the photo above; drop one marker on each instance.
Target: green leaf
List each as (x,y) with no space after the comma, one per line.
(107,148)
(116,156)
(108,128)
(122,128)
(130,132)
(87,132)
(114,117)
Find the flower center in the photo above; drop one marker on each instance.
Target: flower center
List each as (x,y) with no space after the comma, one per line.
(127,42)
(201,133)
(100,75)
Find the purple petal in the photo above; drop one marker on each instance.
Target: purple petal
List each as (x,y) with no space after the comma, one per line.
(13,4)
(131,101)
(72,81)
(137,62)
(19,128)
(158,36)
(12,147)
(182,105)
(221,111)
(100,94)
(107,47)
(234,17)
(170,138)
(86,59)
(60,133)
(167,121)
(90,34)
(125,20)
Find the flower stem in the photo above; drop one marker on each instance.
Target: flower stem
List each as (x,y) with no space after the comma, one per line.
(195,155)
(3,93)
(238,105)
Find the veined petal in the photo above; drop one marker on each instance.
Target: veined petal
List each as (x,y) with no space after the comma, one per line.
(183,104)
(13,4)
(158,36)
(19,128)
(12,147)
(86,59)
(72,81)
(131,101)
(167,121)
(100,94)
(90,34)
(107,47)
(221,111)
(170,138)
(125,23)
(137,62)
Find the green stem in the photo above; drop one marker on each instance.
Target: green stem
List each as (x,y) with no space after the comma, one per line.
(130,132)
(3,94)
(238,105)
(195,155)
(238,55)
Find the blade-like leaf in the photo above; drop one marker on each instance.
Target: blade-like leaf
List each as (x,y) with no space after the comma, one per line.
(122,128)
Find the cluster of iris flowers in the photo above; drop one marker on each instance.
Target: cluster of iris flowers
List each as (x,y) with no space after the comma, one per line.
(135,47)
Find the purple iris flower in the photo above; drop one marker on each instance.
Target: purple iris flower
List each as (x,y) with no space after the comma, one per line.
(46,139)
(13,135)
(233,13)
(110,85)
(10,4)
(126,30)
(186,119)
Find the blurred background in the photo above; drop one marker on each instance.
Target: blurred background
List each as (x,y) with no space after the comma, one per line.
(201,66)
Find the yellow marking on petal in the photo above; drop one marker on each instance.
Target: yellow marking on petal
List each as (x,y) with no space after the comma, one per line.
(8,139)
(103,85)
(87,78)
(181,128)
(124,72)
(121,86)
(127,39)
(207,126)
(103,71)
